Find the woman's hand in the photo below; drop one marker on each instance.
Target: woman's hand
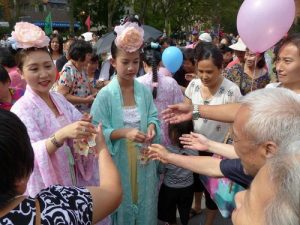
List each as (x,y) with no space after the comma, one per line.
(76,130)
(158,152)
(190,76)
(89,99)
(178,113)
(194,141)
(135,135)
(150,132)
(86,117)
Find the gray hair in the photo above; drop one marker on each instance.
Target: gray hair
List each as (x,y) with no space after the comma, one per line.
(274,115)
(284,170)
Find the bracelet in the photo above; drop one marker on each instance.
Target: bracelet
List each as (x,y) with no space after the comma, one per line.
(55,142)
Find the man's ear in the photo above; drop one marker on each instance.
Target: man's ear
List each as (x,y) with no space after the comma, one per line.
(270,149)
(113,62)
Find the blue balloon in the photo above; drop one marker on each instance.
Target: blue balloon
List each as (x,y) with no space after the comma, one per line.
(172,58)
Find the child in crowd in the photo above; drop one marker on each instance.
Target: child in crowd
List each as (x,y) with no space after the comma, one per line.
(130,120)
(8,95)
(177,189)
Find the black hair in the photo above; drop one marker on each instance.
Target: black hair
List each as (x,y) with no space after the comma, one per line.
(152,57)
(7,59)
(94,57)
(205,51)
(4,77)
(16,155)
(79,49)
(177,130)
(224,49)
(22,53)
(60,43)
(290,39)
(189,54)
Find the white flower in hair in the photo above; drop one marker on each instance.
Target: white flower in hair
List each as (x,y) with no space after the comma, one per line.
(130,36)
(27,35)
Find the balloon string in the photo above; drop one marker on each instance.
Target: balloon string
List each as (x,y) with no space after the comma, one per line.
(254,73)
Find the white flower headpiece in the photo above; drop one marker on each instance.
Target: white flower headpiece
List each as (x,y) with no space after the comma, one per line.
(27,35)
(130,36)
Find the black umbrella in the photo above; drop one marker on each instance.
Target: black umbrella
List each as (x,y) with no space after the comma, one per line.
(104,43)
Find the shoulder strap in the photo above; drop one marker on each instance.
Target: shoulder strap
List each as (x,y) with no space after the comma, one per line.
(38,212)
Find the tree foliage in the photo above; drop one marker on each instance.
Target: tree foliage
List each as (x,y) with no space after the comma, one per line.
(171,15)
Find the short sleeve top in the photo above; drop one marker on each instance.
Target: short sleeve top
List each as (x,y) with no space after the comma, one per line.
(78,83)
(233,170)
(58,205)
(228,93)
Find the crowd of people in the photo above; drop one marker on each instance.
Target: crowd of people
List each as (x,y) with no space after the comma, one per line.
(130,143)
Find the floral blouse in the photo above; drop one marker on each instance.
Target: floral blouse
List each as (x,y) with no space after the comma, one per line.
(244,81)
(78,83)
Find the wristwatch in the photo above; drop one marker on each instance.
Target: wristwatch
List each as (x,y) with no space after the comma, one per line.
(55,142)
(196,113)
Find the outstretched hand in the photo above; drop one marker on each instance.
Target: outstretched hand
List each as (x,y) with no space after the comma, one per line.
(195,141)
(158,152)
(100,140)
(178,113)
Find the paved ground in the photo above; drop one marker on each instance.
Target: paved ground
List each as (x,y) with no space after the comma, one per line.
(199,220)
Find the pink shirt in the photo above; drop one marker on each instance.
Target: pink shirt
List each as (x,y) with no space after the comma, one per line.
(16,79)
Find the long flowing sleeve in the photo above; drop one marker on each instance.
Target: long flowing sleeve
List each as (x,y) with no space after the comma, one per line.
(101,112)
(44,173)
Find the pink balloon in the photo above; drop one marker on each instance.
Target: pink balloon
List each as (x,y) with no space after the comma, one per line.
(262,23)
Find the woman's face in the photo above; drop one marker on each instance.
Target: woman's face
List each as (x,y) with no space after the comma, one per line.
(208,72)
(288,64)
(188,66)
(251,204)
(126,64)
(92,67)
(39,71)
(251,58)
(54,44)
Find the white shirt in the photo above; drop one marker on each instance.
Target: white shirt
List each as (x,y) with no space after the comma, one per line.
(228,93)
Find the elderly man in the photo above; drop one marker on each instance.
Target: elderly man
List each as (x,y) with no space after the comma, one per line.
(266,120)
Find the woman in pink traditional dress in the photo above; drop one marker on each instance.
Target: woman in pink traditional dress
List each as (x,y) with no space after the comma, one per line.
(52,122)
(165,90)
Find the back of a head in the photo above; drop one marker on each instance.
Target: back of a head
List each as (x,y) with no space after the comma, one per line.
(4,77)
(16,155)
(284,171)
(79,49)
(175,131)
(7,59)
(274,115)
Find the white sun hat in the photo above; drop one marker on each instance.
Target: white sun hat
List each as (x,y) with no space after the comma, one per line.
(239,46)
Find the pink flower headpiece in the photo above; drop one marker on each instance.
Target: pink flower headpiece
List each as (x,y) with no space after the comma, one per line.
(130,37)
(27,35)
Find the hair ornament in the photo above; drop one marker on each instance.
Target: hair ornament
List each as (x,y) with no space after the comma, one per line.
(155,84)
(130,37)
(27,35)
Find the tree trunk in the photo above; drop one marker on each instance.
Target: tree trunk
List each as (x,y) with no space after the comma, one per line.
(110,13)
